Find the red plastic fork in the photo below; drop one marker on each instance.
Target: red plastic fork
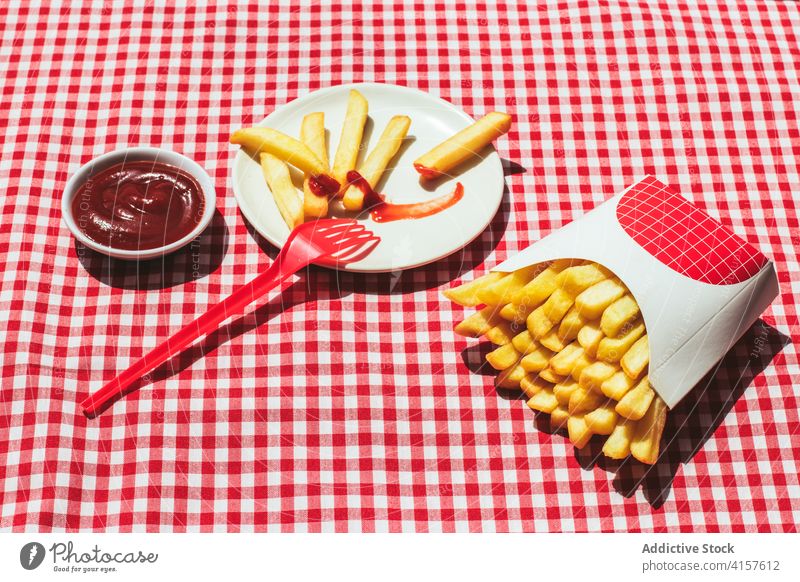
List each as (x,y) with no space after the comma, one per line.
(334,241)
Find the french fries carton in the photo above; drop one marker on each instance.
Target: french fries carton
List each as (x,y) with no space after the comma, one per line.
(698,285)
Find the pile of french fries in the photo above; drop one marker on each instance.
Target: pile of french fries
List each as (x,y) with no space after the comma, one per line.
(309,154)
(570,335)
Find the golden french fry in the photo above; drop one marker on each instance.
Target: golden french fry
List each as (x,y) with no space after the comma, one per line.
(346,156)
(545,317)
(500,334)
(540,287)
(557,305)
(562,362)
(537,359)
(503,357)
(514,313)
(612,349)
(378,159)
(543,401)
(589,337)
(623,311)
(593,301)
(593,375)
(602,420)
(510,377)
(552,341)
(478,323)
(501,291)
(271,141)
(579,432)
(558,418)
(571,324)
(524,342)
(276,173)
(465,144)
(635,403)
(617,385)
(637,358)
(312,134)
(647,438)
(549,375)
(466,294)
(563,391)
(577,279)
(538,324)
(531,385)
(582,400)
(618,444)
(580,365)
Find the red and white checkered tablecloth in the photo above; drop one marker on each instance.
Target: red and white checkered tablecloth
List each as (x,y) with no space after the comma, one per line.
(346,403)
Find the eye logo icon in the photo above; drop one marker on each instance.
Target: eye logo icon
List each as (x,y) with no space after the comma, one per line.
(31,555)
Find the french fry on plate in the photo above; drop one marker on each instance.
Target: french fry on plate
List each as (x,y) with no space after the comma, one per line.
(378,159)
(463,145)
(312,134)
(278,144)
(276,173)
(346,156)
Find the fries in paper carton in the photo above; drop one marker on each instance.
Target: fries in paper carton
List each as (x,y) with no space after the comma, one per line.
(614,318)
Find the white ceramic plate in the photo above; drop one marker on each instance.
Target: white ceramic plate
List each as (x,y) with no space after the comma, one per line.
(404,243)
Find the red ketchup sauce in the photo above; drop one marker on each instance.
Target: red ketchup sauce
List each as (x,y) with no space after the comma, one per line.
(383,211)
(138,205)
(323,185)
(426,172)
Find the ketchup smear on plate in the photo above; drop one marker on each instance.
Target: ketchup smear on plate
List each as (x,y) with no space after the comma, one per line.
(383,211)
(138,205)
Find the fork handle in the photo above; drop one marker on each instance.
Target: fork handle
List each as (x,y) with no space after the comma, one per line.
(281,269)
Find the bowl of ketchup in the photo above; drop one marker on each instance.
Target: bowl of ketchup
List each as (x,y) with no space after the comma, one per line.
(138,203)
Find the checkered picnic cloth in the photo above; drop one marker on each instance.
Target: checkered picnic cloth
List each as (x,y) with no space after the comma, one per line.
(346,402)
